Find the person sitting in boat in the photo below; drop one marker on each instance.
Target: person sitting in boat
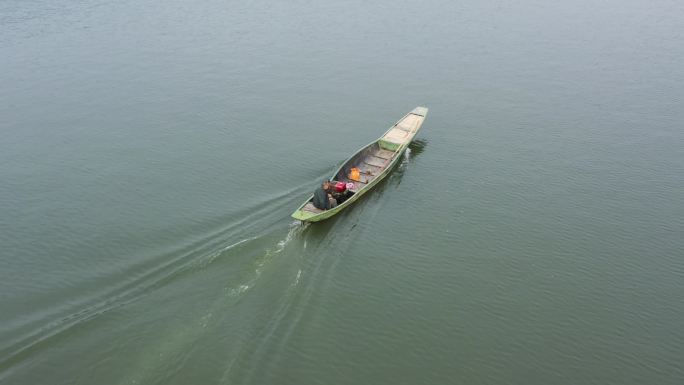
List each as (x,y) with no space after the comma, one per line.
(323,198)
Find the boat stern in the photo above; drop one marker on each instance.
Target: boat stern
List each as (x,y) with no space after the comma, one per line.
(310,216)
(303,215)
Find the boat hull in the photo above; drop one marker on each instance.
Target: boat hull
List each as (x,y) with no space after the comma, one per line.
(394,141)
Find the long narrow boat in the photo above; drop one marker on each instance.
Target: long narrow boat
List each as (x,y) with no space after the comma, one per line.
(374,162)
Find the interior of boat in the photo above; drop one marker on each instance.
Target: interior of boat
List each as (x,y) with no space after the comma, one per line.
(370,162)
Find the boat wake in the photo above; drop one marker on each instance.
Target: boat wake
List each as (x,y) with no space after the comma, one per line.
(295,229)
(158,272)
(178,344)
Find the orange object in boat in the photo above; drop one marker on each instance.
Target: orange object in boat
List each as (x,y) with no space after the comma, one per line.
(355,174)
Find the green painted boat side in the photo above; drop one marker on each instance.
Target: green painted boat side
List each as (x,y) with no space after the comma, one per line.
(309,216)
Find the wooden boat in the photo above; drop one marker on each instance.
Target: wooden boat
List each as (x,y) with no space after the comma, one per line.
(374,162)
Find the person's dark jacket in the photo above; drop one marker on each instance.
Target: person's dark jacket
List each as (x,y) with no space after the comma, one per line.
(320,199)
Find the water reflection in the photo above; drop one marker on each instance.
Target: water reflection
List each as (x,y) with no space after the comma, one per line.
(418,146)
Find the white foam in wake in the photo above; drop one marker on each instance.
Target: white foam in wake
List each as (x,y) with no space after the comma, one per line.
(295,229)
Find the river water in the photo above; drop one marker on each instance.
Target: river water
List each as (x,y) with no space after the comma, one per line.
(151,153)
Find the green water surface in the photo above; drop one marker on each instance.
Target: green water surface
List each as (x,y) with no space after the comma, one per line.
(151,153)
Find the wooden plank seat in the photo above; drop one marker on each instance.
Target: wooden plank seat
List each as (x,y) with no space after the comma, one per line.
(358,184)
(368,170)
(311,208)
(373,162)
(382,160)
(384,154)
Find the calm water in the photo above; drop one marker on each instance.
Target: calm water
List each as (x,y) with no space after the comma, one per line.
(152,151)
